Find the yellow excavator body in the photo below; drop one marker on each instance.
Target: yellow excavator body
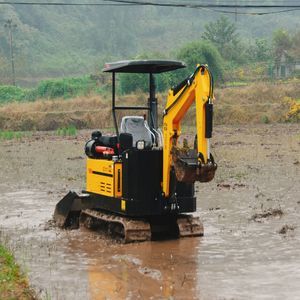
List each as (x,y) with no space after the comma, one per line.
(138,181)
(103,177)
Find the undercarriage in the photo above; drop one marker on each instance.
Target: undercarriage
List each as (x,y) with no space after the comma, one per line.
(72,212)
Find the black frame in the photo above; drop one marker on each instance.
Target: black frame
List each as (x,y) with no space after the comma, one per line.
(151,108)
(144,66)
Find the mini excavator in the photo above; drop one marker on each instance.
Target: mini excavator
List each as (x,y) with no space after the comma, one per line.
(139,182)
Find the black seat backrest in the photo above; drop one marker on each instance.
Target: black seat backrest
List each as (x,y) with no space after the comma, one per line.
(125,140)
(137,127)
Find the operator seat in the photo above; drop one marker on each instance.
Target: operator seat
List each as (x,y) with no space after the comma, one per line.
(138,127)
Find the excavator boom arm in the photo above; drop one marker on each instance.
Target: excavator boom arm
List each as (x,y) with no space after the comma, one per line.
(197,88)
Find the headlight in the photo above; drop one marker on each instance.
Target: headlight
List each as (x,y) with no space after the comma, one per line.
(140,145)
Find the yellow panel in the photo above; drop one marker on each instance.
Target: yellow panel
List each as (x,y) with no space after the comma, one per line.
(123,205)
(118,180)
(99,177)
(104,177)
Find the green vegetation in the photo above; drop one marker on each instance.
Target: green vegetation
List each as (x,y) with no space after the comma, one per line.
(281,41)
(49,89)
(257,102)
(265,119)
(234,60)
(66,88)
(12,93)
(191,54)
(199,52)
(259,50)
(10,135)
(134,82)
(229,55)
(62,131)
(223,34)
(13,285)
(64,41)
(66,131)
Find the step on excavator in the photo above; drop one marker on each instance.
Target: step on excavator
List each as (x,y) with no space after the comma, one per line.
(139,182)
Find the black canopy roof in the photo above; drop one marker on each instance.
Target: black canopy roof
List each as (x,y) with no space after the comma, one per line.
(143,66)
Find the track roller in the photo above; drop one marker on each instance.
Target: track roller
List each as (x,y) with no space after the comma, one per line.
(131,230)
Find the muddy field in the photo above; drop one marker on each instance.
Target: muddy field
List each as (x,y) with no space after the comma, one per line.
(251,247)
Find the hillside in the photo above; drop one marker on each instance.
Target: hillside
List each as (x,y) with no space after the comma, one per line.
(59,41)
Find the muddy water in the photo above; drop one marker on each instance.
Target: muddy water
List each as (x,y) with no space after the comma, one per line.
(240,257)
(236,258)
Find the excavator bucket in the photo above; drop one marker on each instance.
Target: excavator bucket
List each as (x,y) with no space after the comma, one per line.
(68,209)
(187,166)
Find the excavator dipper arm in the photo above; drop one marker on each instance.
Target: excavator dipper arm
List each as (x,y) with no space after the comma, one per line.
(189,165)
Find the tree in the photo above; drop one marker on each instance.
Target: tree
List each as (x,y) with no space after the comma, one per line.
(133,82)
(223,34)
(259,51)
(295,48)
(281,42)
(201,52)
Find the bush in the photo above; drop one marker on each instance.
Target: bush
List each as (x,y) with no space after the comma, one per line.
(49,89)
(293,114)
(11,93)
(140,82)
(265,119)
(202,52)
(67,87)
(133,82)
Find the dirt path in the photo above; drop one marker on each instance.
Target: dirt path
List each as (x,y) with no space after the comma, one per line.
(251,247)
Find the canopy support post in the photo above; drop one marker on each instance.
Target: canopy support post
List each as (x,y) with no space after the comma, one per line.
(152,102)
(114,103)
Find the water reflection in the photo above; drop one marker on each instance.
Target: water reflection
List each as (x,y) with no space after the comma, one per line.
(154,269)
(237,258)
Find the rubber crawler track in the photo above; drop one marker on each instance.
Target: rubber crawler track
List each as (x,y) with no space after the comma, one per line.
(139,230)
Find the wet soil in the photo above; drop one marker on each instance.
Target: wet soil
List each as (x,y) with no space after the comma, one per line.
(238,257)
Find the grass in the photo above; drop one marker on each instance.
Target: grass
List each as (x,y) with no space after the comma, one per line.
(262,102)
(10,93)
(66,131)
(13,284)
(10,135)
(265,119)
(236,83)
(66,87)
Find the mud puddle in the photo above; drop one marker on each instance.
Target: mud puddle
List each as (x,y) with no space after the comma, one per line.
(237,258)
